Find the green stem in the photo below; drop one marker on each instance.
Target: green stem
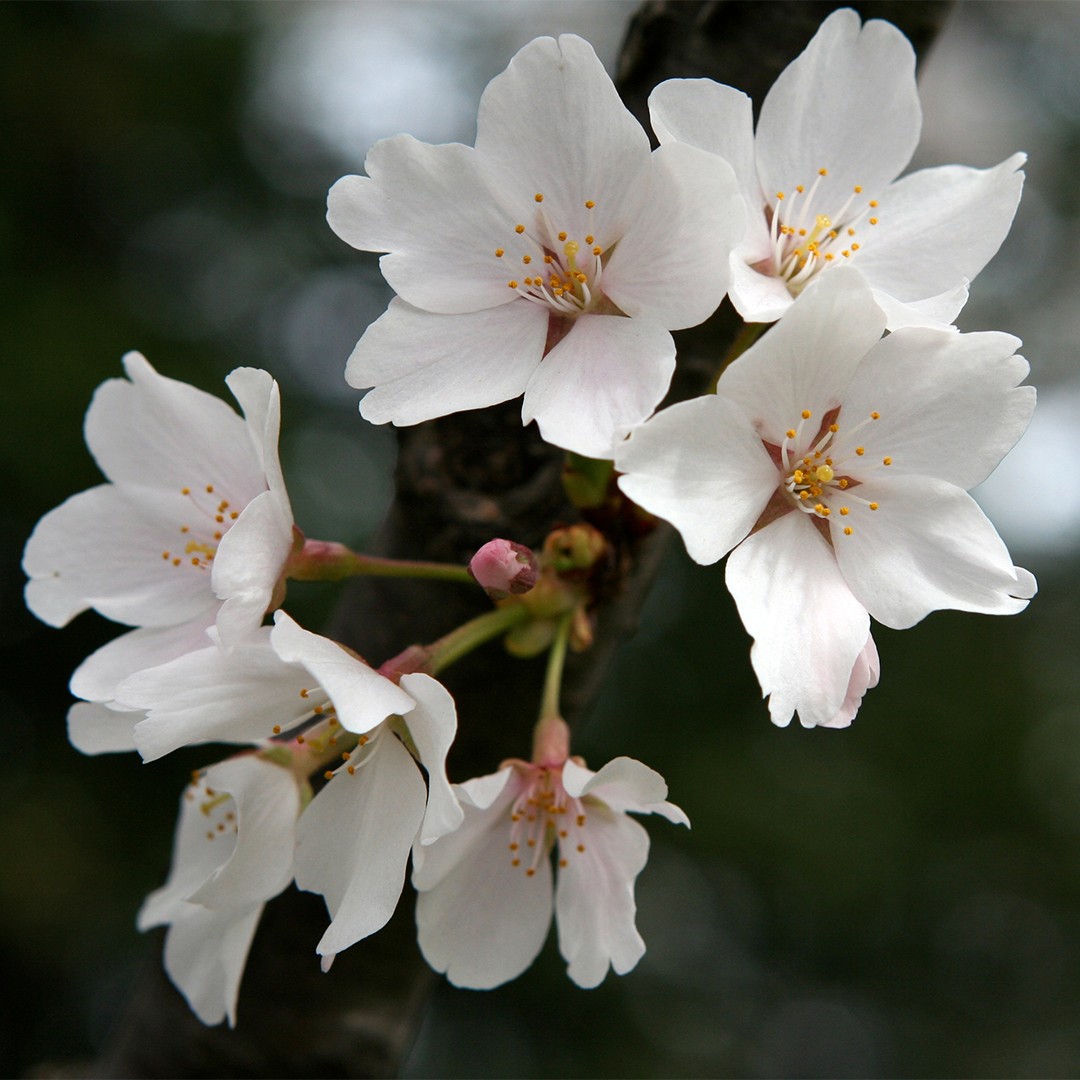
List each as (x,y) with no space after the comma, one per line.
(458,643)
(323,560)
(746,337)
(549,706)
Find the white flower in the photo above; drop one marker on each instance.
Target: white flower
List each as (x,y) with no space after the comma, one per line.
(517,261)
(233,852)
(485,891)
(842,463)
(192,530)
(354,837)
(819,179)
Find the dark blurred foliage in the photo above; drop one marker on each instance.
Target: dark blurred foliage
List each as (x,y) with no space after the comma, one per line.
(899,899)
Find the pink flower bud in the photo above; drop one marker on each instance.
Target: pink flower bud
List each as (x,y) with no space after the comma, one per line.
(502,567)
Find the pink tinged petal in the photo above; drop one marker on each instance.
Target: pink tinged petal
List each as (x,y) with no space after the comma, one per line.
(432,727)
(938,228)
(267,805)
(258,395)
(353,841)
(671,264)
(98,676)
(205,954)
(480,919)
(362,697)
(553,124)
(699,465)
(104,548)
(431,208)
(625,785)
(605,376)
(950,404)
(928,546)
(864,676)
(161,433)
(213,696)
(594,898)
(934,312)
(425,365)
(848,104)
(806,361)
(808,628)
(249,563)
(94,728)
(718,119)
(757,297)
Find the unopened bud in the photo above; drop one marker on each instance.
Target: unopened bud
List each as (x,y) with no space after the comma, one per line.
(502,567)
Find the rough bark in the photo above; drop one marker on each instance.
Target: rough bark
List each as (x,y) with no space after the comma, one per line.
(461,481)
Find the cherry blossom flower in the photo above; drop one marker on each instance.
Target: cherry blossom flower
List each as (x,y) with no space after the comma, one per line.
(549,260)
(191,531)
(485,890)
(354,837)
(842,463)
(819,179)
(233,852)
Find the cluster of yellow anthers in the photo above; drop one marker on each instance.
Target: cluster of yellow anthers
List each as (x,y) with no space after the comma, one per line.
(201,546)
(213,804)
(805,244)
(567,288)
(542,808)
(816,472)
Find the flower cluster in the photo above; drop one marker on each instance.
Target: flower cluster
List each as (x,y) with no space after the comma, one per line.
(552,260)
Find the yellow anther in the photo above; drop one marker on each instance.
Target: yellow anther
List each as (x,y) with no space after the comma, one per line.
(844,511)
(860,450)
(589,204)
(519,229)
(185,529)
(886,461)
(873,202)
(847,530)
(514,284)
(538,197)
(851,232)
(854,247)
(304,693)
(166,556)
(779,195)
(802,232)
(806,414)
(276,729)
(823,172)
(329,775)
(176,562)
(846,254)
(791,433)
(875,415)
(581,847)
(873,221)
(499,253)
(530,872)
(590,239)
(843,482)
(209,489)
(514,847)
(350,769)
(598,251)
(185,491)
(526,259)
(804,495)
(234,514)
(547,259)
(562,862)
(834,428)
(858,189)
(873,506)
(799,188)
(829,257)
(515,862)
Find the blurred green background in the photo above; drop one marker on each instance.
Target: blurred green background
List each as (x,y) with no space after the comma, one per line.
(899,899)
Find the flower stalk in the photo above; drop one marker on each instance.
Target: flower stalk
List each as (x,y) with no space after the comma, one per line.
(327,560)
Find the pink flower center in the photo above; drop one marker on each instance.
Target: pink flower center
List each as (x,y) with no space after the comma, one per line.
(210,519)
(542,815)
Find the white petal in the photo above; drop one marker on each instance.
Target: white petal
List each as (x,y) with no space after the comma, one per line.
(431,208)
(757,297)
(847,104)
(103,549)
(353,841)
(481,920)
(951,405)
(715,118)
(671,264)
(864,676)
(934,312)
(96,729)
(205,954)
(424,365)
(594,898)
(928,546)
(362,697)
(624,784)
(552,123)
(98,676)
(605,376)
(161,433)
(699,465)
(806,360)
(433,725)
(939,227)
(807,627)
(214,696)
(258,395)
(249,562)
(267,805)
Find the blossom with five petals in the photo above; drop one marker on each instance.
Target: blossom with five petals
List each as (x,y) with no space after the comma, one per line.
(549,260)
(191,531)
(485,890)
(233,852)
(841,461)
(819,179)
